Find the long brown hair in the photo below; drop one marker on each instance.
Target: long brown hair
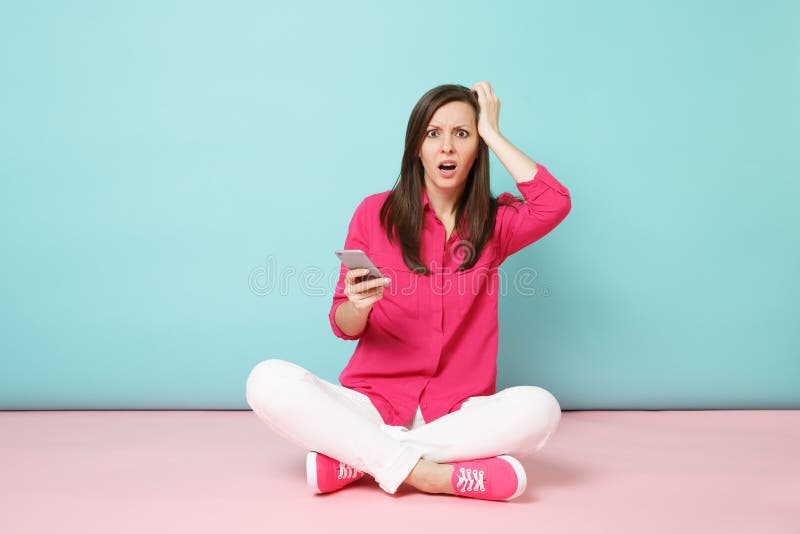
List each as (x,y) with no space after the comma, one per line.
(476,208)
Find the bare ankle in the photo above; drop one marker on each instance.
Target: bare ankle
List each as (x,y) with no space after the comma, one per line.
(431,477)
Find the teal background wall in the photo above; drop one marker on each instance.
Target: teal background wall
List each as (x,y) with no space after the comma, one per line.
(165,164)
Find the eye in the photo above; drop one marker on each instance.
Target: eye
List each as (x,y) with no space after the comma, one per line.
(462,133)
(432,133)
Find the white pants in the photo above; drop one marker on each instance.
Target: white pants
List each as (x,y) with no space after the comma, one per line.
(343,423)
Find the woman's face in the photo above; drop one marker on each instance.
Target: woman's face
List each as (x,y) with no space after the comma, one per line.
(449,147)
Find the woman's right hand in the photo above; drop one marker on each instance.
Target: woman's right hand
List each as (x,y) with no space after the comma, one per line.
(362,295)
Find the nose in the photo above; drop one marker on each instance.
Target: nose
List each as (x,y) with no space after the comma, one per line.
(447,143)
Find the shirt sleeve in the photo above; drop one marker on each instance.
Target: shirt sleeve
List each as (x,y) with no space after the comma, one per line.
(357,238)
(546,204)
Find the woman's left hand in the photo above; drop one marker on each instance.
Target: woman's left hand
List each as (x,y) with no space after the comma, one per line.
(489,116)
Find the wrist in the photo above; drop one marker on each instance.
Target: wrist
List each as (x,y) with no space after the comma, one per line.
(492,138)
(361,313)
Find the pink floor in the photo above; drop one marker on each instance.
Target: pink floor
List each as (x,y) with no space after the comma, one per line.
(206,471)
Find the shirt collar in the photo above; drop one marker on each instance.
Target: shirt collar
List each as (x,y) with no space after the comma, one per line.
(426,204)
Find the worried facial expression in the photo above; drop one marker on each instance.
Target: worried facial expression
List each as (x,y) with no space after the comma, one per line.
(449,147)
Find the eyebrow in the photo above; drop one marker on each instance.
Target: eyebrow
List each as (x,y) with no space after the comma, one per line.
(456,126)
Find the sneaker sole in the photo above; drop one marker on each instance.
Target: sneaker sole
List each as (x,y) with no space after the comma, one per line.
(522,478)
(311,471)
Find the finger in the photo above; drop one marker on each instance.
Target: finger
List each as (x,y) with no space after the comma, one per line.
(481,94)
(484,85)
(352,274)
(487,95)
(368,301)
(359,297)
(474,89)
(376,291)
(356,291)
(363,299)
(368,284)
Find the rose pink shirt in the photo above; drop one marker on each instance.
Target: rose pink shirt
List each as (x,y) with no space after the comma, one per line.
(431,341)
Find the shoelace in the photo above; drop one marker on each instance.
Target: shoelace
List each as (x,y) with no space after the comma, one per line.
(470,480)
(346,471)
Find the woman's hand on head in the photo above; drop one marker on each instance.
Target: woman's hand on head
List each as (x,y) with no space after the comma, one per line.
(363,294)
(489,116)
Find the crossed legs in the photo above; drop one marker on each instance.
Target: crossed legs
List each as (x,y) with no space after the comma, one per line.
(343,424)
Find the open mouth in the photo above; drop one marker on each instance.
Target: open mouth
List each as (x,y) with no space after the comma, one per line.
(447,169)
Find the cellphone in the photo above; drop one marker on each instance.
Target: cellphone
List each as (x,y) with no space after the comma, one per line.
(358,259)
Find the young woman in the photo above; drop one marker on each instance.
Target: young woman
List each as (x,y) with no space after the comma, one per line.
(418,402)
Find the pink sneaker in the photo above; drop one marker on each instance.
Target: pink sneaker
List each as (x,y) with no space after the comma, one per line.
(324,474)
(501,478)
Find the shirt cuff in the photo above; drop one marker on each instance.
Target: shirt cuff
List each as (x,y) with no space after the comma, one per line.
(338,331)
(542,177)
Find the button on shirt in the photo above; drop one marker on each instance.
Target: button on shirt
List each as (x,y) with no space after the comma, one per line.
(431,341)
